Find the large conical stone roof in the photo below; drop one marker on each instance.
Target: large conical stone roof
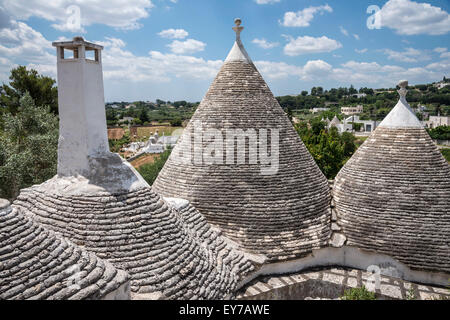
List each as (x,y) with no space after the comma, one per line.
(284,213)
(393,195)
(35,263)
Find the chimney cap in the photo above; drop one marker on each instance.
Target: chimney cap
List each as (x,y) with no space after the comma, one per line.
(76,42)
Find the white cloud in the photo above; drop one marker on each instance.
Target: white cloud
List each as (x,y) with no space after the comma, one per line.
(360,74)
(19,43)
(266,1)
(304,17)
(117,13)
(188,46)
(277,70)
(173,34)
(410,55)
(313,69)
(23,45)
(440,50)
(361,51)
(120,64)
(316,69)
(409,18)
(263,43)
(343,31)
(306,45)
(445,55)
(356,36)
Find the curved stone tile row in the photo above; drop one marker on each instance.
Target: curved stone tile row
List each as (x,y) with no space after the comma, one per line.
(283,215)
(142,234)
(393,197)
(35,263)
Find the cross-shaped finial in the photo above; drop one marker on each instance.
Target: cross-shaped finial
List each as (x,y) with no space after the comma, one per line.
(238,29)
(402,92)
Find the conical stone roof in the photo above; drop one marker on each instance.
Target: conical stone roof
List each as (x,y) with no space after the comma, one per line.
(393,195)
(35,263)
(335,121)
(169,249)
(284,214)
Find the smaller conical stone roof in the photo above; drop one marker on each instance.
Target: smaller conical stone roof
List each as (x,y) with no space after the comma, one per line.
(393,195)
(35,263)
(335,121)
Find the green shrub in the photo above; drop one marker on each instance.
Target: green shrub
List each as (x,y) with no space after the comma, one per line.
(28,147)
(329,149)
(176,122)
(358,294)
(440,133)
(116,145)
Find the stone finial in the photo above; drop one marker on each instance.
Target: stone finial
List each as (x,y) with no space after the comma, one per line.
(402,92)
(238,29)
(78,38)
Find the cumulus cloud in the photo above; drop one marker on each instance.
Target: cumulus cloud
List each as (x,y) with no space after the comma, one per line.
(361,51)
(266,1)
(304,17)
(173,34)
(19,43)
(307,44)
(117,13)
(277,70)
(410,55)
(313,69)
(121,64)
(263,43)
(407,17)
(445,55)
(360,74)
(188,46)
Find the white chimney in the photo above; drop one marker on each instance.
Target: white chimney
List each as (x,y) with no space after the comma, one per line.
(83,148)
(81,101)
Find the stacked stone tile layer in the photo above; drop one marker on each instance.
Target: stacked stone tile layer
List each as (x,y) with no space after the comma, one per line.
(35,263)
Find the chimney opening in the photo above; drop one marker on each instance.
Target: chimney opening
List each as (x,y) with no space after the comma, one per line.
(92,54)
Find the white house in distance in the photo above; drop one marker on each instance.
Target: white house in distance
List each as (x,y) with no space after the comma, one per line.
(316,110)
(352,110)
(367,125)
(347,126)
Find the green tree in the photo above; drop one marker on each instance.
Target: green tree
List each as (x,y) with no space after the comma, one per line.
(42,90)
(143,116)
(440,133)
(28,147)
(176,122)
(329,149)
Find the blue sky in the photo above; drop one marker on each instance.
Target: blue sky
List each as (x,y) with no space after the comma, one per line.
(172,49)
